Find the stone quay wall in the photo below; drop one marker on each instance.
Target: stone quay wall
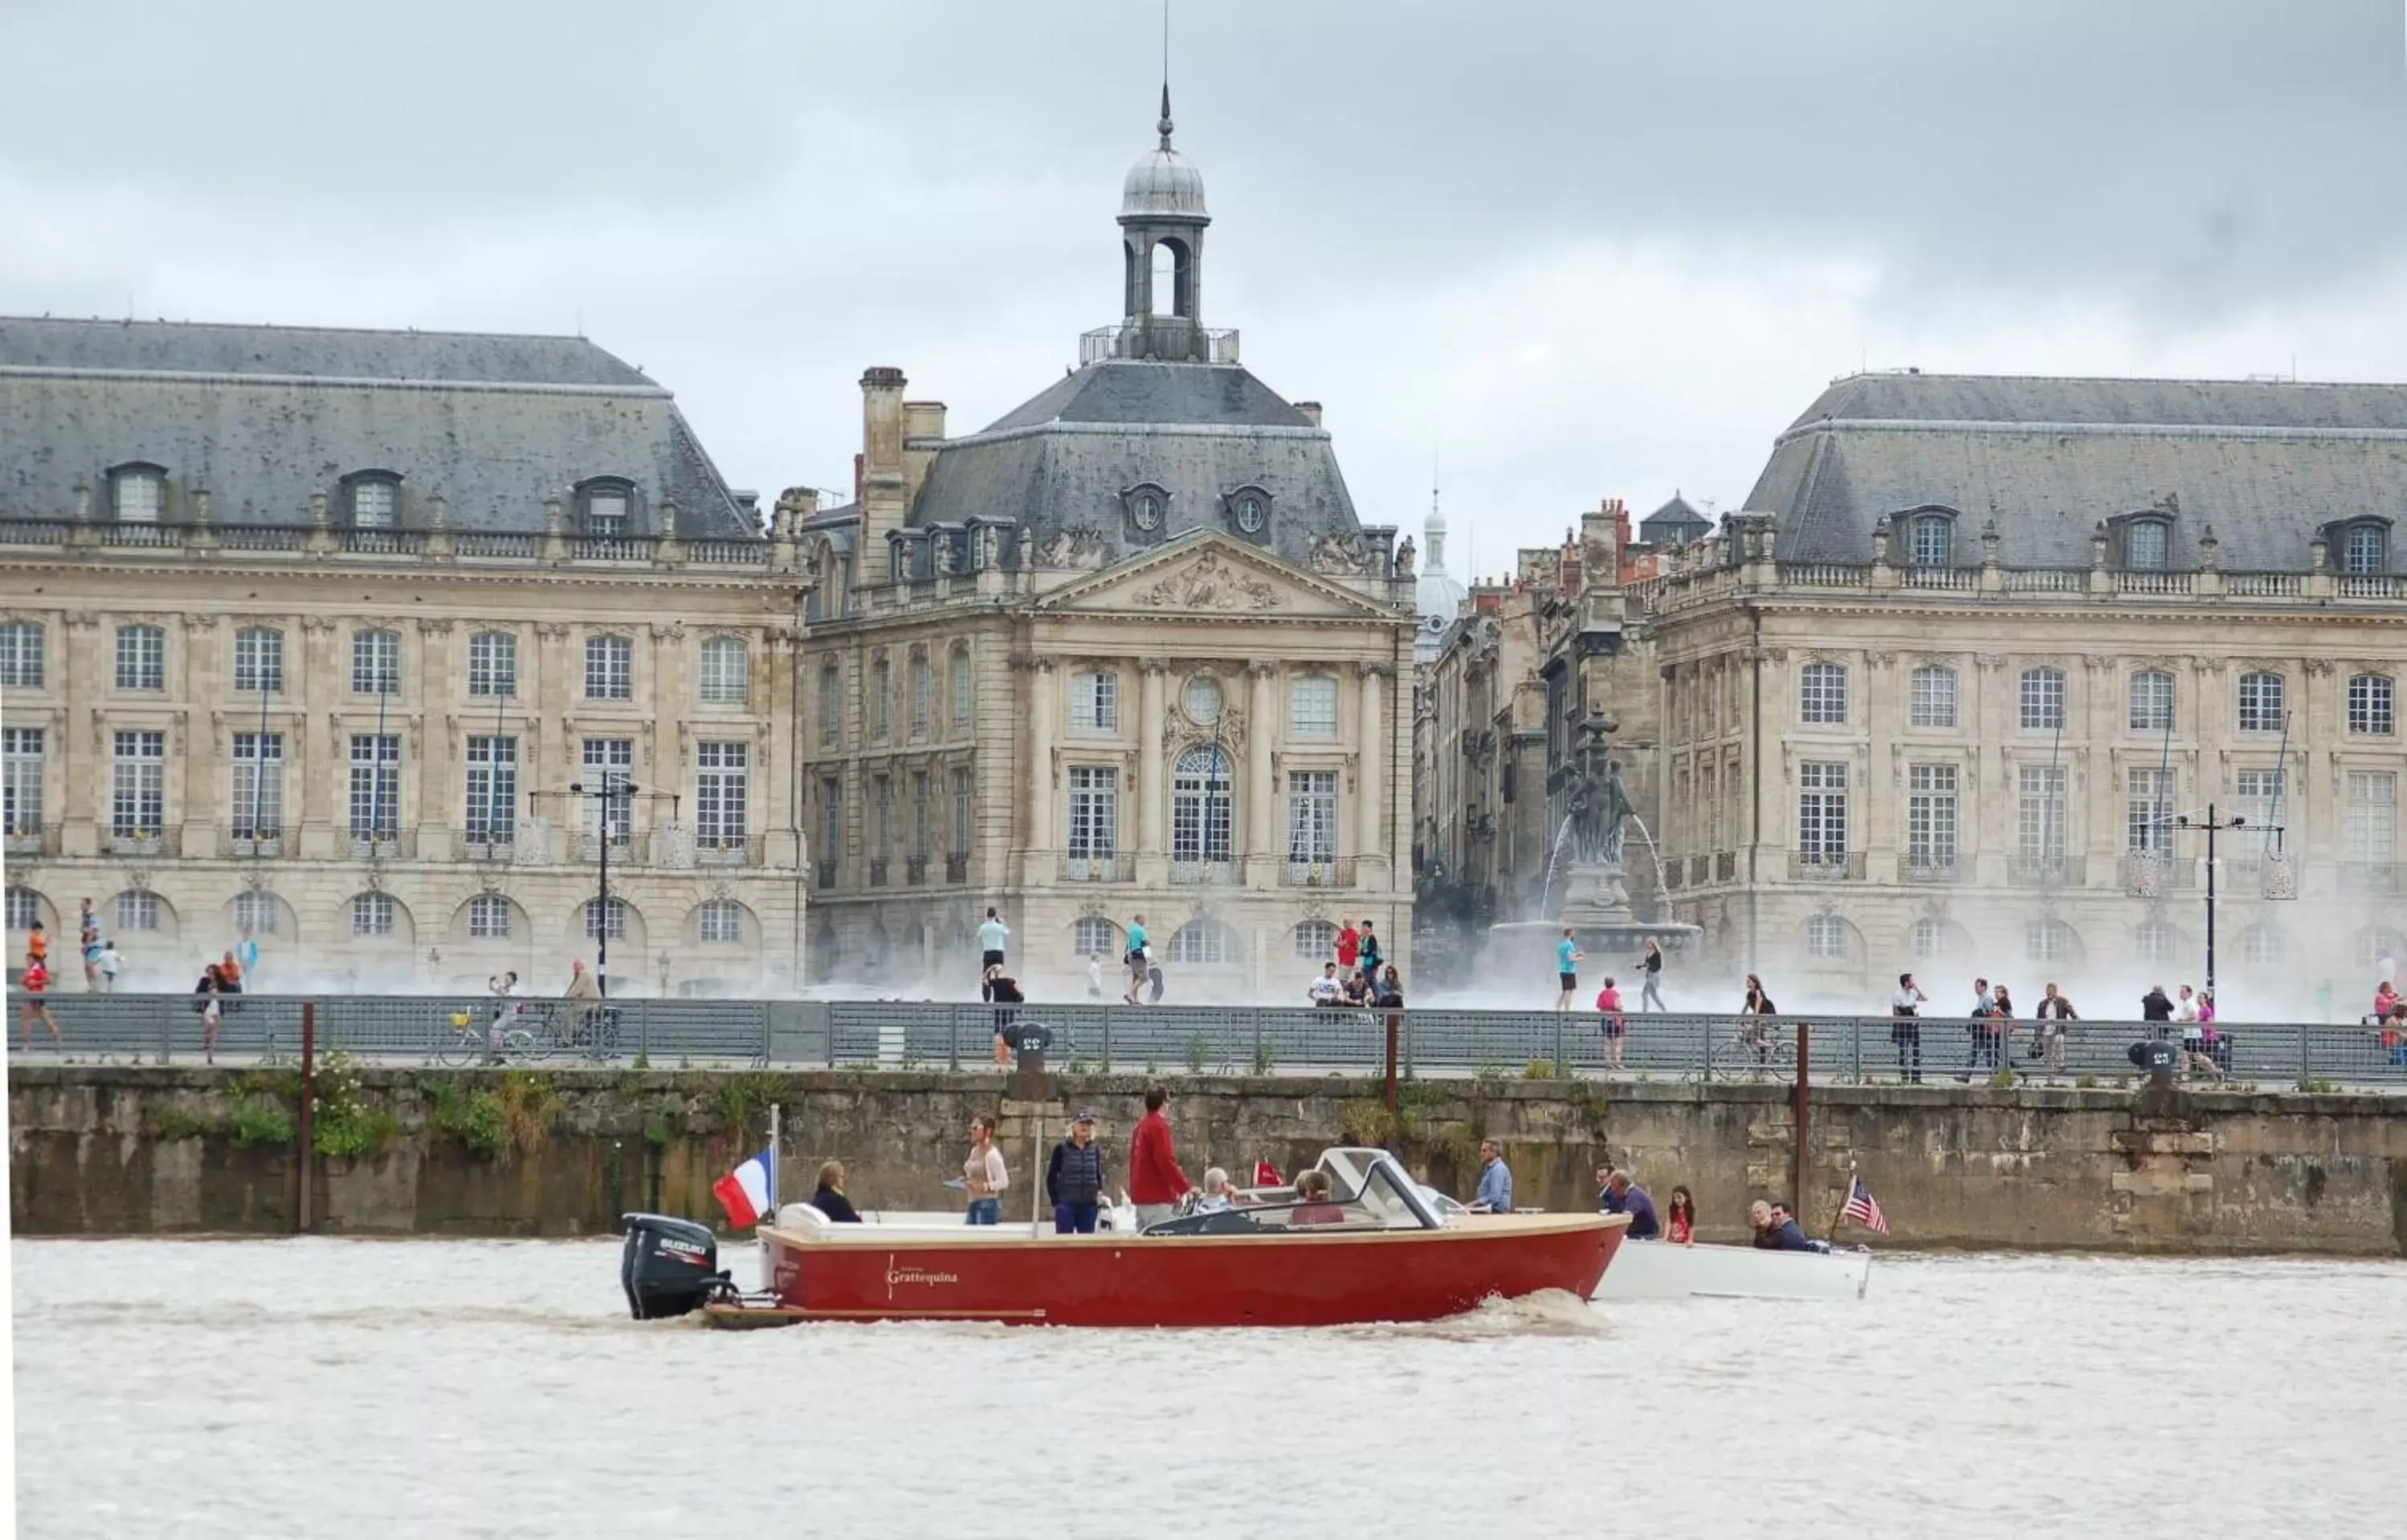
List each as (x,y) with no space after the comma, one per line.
(138,1151)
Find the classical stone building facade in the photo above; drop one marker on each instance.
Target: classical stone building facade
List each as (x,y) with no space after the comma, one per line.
(312,633)
(1125,651)
(1945,691)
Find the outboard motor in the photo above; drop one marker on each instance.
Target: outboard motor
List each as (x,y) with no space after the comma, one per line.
(670,1266)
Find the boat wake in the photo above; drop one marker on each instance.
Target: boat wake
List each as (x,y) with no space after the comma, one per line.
(1549,1312)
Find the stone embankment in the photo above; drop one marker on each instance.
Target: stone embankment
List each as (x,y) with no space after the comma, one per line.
(138,1151)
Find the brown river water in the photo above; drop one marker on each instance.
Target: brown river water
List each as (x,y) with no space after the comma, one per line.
(359,1389)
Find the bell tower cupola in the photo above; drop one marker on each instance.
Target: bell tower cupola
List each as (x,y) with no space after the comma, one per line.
(1163,218)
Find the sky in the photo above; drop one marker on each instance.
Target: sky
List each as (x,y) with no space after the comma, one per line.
(1541,253)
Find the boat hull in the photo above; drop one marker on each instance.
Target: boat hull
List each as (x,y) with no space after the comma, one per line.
(1653,1269)
(855,1273)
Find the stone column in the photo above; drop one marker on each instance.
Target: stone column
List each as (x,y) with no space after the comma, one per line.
(1153,795)
(1262,795)
(83,759)
(1042,709)
(1371,785)
(1995,805)
(782,662)
(673,699)
(207,676)
(315,767)
(550,763)
(439,748)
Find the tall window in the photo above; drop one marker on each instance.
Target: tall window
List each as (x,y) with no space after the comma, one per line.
(2039,814)
(140,495)
(22,763)
(137,804)
(831,820)
(261,913)
(2258,795)
(607,761)
(138,909)
(1203,944)
(376,662)
(2372,817)
(961,810)
(141,657)
(720,794)
(493,665)
(1094,811)
(376,504)
(24,907)
(2044,699)
(726,672)
(2365,549)
(1094,937)
(924,695)
(489,917)
(1826,936)
(2152,701)
(720,920)
(375,786)
(605,919)
(1095,701)
(1822,695)
(258,785)
(2148,544)
(1934,540)
(1199,806)
(831,703)
(492,789)
(2264,945)
(2261,702)
(1316,940)
(1709,796)
(2148,811)
(2047,940)
(881,698)
(1930,816)
(1312,707)
(962,705)
(1822,813)
(1929,938)
(922,814)
(1312,816)
(372,914)
(21,656)
(609,667)
(2371,698)
(258,661)
(1931,701)
(881,808)
(2152,941)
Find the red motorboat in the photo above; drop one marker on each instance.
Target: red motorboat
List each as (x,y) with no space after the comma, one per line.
(1375,1250)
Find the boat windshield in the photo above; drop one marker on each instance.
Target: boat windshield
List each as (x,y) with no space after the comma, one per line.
(1367,1190)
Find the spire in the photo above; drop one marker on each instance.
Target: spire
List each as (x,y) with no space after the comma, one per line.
(1433,537)
(1164,126)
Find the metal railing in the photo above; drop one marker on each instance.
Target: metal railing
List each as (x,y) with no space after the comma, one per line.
(1094,1037)
(1097,868)
(1338,872)
(143,842)
(33,840)
(1805,867)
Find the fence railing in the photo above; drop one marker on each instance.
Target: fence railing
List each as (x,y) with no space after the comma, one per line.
(1223,1039)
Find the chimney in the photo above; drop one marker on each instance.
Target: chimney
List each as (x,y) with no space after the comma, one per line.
(1311,410)
(924,427)
(858,461)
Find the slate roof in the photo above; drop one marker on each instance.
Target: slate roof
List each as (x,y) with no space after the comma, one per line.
(1062,461)
(2268,464)
(264,416)
(1673,524)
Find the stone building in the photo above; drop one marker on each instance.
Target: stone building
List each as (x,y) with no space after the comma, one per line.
(1943,692)
(1126,650)
(314,633)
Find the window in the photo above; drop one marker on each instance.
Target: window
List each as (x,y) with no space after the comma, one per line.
(961,811)
(2044,699)
(2147,544)
(720,920)
(258,913)
(1929,938)
(924,695)
(1202,943)
(726,672)
(376,662)
(2152,701)
(962,705)
(488,918)
(2365,549)
(2258,795)
(1822,813)
(2378,945)
(376,504)
(922,812)
(831,820)
(1316,940)
(2047,940)
(609,667)
(2152,941)
(2039,815)
(606,512)
(720,795)
(1709,795)
(1826,936)
(21,656)
(1930,817)
(24,907)
(831,704)
(882,809)
(1203,700)
(258,661)
(881,698)
(1931,699)
(258,785)
(2261,704)
(603,919)
(1094,811)
(137,911)
(2148,811)
(1095,936)
(1199,806)
(138,787)
(1312,707)
(492,789)
(375,786)
(1822,695)
(2371,697)
(1095,702)
(139,495)
(493,665)
(2264,945)
(607,761)
(141,657)
(2372,817)
(1312,818)
(21,764)
(1934,540)
(372,914)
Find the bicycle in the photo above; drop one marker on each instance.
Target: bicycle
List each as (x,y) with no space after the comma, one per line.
(1753,1052)
(470,1037)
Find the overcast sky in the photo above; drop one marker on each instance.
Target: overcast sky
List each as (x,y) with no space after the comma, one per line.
(1562,252)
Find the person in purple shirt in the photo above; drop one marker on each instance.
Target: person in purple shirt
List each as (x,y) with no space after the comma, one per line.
(1620,1197)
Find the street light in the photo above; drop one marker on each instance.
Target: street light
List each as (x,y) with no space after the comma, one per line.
(2213,824)
(615,786)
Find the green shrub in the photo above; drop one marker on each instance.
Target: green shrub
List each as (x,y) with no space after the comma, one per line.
(262,1122)
(1199,1053)
(2086,1082)
(1263,1061)
(472,1118)
(1536,1069)
(2003,1079)
(174,1123)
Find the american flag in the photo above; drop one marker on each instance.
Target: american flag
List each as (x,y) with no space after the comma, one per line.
(1864,1209)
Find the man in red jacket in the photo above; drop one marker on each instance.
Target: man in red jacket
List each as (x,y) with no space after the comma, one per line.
(1155,1182)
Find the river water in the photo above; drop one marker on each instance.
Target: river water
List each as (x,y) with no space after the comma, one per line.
(358,1389)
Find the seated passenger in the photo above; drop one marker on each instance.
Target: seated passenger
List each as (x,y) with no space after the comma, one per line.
(1218,1193)
(1758,1219)
(1316,1208)
(1790,1236)
(830,1200)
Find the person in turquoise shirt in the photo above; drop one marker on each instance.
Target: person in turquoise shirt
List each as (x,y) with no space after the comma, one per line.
(1138,966)
(1567,961)
(1495,1180)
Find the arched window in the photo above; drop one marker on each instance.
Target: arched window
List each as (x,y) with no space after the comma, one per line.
(1931,540)
(372,914)
(258,913)
(1932,703)
(610,918)
(2043,700)
(1200,805)
(720,919)
(2377,945)
(1822,694)
(258,661)
(924,695)
(489,917)
(2152,701)
(2152,941)
(1095,936)
(1929,938)
(1165,279)
(375,500)
(1316,940)
(1826,936)
(24,907)
(726,672)
(2364,549)
(1312,707)
(2148,544)
(1204,943)
(139,493)
(2372,699)
(2264,945)
(2047,940)
(138,909)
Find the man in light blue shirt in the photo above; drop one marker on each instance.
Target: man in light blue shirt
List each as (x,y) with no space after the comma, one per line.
(1567,961)
(992,935)
(1495,1180)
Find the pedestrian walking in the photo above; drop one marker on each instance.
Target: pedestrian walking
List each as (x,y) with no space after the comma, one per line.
(1094,975)
(1905,1028)
(1567,961)
(1650,963)
(211,1009)
(2048,1046)
(111,964)
(36,981)
(984,1174)
(1977,1032)
(1350,947)
(1368,953)
(1001,991)
(1608,1008)
(88,942)
(1757,1034)
(992,937)
(1135,960)
(246,952)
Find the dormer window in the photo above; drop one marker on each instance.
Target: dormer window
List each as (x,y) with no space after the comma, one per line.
(2364,548)
(139,493)
(1931,540)
(375,499)
(1249,509)
(2143,541)
(606,508)
(1147,505)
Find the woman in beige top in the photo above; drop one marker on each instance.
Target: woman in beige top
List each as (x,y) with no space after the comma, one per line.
(983,1173)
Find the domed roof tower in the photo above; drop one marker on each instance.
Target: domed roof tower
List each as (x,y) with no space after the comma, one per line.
(1437,596)
(1162,207)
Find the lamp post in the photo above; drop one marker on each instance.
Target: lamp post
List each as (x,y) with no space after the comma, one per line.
(2213,825)
(614,785)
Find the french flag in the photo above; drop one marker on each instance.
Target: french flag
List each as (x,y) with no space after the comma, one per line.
(748,1192)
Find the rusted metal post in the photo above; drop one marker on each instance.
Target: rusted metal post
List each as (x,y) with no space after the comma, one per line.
(308,1105)
(1804,1108)
(1395,1020)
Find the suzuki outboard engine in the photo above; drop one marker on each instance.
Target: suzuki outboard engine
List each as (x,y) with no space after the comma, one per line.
(670,1266)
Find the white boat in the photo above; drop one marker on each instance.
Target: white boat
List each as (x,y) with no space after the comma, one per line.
(1657,1269)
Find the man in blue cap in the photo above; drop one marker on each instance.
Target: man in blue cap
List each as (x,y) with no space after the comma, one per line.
(1073,1177)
